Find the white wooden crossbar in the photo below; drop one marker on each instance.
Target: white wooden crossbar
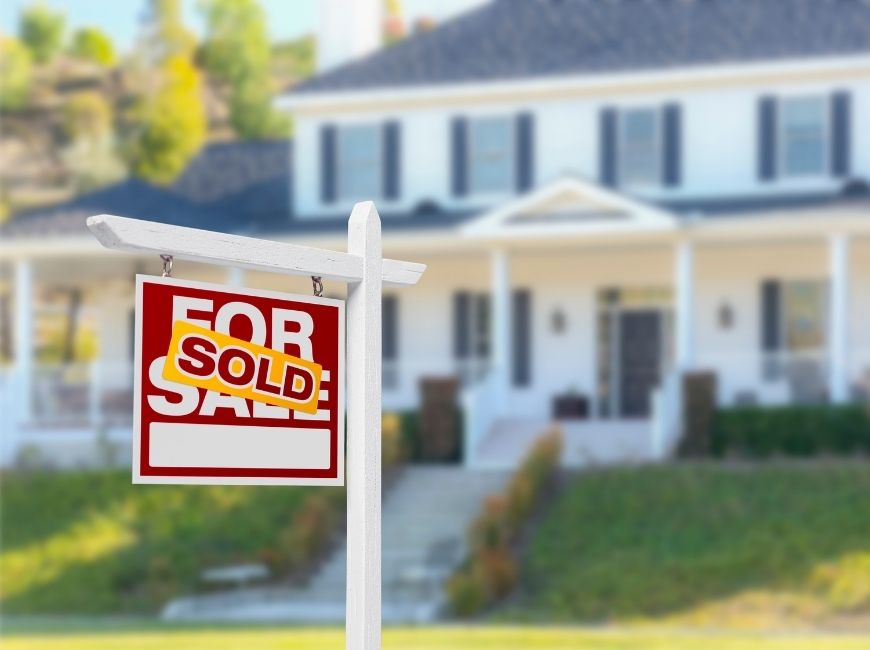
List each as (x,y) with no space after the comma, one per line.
(121,233)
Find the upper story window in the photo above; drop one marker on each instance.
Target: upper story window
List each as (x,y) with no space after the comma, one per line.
(639,147)
(358,165)
(491,155)
(804,135)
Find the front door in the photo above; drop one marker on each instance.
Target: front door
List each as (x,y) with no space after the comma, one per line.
(639,360)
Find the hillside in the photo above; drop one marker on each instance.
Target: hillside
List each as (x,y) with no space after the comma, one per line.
(770,545)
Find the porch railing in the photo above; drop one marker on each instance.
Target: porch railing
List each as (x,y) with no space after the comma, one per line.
(88,394)
(482,405)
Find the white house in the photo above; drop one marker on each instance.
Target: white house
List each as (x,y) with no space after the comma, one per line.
(607,194)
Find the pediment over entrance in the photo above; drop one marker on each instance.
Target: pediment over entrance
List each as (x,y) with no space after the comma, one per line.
(569,206)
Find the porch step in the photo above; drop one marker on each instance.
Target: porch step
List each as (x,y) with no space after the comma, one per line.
(587,443)
(425,518)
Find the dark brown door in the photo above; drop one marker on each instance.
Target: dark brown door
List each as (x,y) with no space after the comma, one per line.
(639,360)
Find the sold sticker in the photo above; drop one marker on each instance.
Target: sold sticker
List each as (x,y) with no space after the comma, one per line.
(206,359)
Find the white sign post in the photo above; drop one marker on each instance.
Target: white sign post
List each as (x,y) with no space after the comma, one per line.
(363,269)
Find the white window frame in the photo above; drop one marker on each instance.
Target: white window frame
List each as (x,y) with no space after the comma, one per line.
(510,154)
(658,138)
(781,140)
(341,166)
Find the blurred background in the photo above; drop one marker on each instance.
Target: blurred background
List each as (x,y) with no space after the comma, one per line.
(627,405)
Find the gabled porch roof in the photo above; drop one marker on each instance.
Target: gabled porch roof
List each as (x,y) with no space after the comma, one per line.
(569,206)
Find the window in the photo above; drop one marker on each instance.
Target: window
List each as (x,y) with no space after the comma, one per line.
(794,327)
(471,334)
(639,147)
(803,316)
(490,155)
(804,135)
(359,162)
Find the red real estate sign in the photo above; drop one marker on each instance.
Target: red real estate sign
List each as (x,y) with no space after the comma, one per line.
(235,386)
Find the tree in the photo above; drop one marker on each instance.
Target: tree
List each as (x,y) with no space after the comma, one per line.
(237,51)
(91,44)
(172,124)
(41,31)
(165,33)
(15,73)
(90,154)
(87,115)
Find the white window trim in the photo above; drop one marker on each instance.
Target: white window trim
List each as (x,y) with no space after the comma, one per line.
(782,168)
(379,161)
(511,155)
(659,137)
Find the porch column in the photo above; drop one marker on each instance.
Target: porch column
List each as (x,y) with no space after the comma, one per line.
(684,289)
(235,277)
(501,321)
(838,336)
(24,337)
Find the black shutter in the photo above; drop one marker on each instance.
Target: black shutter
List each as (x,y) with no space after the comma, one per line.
(461,324)
(390,328)
(607,147)
(671,164)
(327,163)
(841,127)
(521,317)
(392,160)
(767,138)
(770,316)
(482,320)
(459,156)
(525,162)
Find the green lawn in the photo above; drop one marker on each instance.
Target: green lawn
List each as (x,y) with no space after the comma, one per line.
(768,545)
(478,638)
(90,542)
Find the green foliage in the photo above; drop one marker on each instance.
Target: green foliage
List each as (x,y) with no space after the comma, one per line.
(92,44)
(761,432)
(92,543)
(167,36)
(87,114)
(41,30)
(15,74)
(708,544)
(172,125)
(393,450)
(492,571)
(236,51)
(294,59)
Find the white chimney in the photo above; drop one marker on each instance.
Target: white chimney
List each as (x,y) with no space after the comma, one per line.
(348,29)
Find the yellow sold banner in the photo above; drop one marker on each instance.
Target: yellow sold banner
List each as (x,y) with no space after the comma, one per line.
(207,359)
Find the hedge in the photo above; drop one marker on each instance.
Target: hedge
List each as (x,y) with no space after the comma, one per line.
(761,432)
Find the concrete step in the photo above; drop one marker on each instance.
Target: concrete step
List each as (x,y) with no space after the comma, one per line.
(426,507)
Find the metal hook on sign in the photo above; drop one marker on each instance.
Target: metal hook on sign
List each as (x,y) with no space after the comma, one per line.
(317,285)
(167,265)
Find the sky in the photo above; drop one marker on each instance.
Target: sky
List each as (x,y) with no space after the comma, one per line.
(287,18)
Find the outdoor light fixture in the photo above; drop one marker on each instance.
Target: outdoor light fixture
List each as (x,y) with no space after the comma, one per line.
(558,321)
(726,316)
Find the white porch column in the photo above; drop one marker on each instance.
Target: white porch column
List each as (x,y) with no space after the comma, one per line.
(501,321)
(24,337)
(684,297)
(235,277)
(838,335)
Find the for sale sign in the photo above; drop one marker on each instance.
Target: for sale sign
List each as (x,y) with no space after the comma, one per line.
(235,386)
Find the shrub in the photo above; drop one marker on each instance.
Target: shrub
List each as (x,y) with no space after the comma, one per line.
(467,593)
(392,440)
(762,432)
(15,74)
(490,530)
(499,570)
(312,527)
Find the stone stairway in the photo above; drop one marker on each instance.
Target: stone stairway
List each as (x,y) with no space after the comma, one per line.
(424,522)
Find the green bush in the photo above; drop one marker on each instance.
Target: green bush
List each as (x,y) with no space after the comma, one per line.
(411,433)
(762,432)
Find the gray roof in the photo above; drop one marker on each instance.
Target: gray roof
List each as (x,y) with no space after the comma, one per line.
(516,39)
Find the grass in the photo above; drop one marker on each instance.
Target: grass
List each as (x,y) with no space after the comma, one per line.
(769,545)
(92,543)
(441,638)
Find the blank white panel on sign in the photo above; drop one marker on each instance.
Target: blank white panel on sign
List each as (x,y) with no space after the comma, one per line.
(209,445)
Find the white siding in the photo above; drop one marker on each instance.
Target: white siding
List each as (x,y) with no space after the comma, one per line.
(719,144)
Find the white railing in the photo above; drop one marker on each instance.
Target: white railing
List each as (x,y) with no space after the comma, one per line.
(482,405)
(87,394)
(667,415)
